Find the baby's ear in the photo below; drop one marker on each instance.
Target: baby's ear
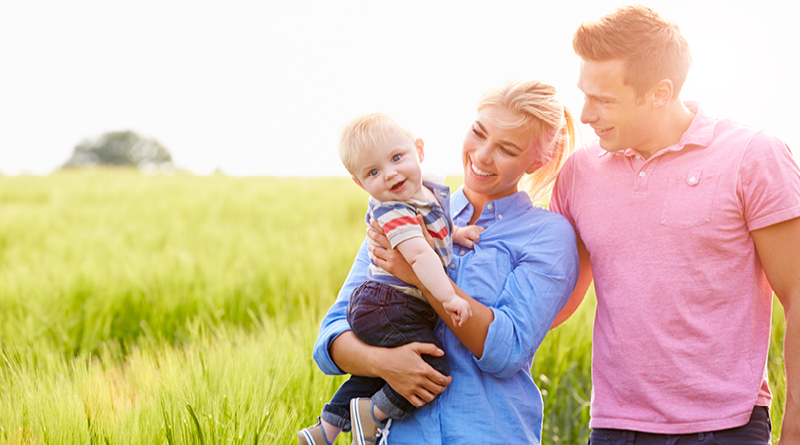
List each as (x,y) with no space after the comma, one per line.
(420,148)
(358,183)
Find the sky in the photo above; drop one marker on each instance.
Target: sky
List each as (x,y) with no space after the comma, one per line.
(261,88)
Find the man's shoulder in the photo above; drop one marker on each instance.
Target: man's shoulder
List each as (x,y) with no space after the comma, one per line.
(586,157)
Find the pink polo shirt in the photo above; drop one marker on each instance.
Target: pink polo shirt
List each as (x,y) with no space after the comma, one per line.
(684,308)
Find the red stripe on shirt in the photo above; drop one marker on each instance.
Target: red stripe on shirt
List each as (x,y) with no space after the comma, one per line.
(440,234)
(401,221)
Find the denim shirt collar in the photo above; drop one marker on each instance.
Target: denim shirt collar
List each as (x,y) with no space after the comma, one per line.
(506,207)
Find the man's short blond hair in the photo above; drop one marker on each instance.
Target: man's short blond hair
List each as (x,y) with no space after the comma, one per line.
(361,134)
(651,47)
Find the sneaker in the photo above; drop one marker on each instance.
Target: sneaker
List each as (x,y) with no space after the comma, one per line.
(313,435)
(367,430)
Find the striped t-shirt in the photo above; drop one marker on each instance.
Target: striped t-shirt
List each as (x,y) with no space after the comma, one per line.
(399,222)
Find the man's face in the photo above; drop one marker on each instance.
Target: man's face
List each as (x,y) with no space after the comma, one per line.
(611,108)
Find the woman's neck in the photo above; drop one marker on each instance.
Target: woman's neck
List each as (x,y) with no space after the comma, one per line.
(478,201)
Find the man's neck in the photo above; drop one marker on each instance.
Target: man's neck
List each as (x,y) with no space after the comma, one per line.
(669,128)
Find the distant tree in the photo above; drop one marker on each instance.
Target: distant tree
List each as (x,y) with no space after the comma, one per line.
(120,148)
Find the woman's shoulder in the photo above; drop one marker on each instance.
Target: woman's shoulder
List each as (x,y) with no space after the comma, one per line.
(541,217)
(538,225)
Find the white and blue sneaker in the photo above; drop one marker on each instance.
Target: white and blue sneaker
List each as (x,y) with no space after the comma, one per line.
(367,430)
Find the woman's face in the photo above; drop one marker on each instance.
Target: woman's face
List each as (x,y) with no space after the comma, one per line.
(495,157)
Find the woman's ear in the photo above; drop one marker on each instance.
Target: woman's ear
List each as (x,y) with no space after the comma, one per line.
(535,165)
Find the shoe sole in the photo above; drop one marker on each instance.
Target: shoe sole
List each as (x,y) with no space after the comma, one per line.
(304,438)
(358,431)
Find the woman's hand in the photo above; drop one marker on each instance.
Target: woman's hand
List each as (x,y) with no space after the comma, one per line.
(402,367)
(412,377)
(390,259)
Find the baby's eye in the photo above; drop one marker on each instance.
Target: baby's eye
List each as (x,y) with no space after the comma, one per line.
(395,158)
(373,172)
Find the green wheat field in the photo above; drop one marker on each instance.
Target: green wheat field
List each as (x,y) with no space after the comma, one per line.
(182,310)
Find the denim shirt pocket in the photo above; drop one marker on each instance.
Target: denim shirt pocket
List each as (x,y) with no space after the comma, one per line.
(689,200)
(485,274)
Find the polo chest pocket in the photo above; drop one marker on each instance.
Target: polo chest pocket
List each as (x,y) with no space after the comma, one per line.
(689,200)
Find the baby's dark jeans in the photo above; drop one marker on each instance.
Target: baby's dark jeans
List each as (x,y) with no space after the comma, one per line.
(381,315)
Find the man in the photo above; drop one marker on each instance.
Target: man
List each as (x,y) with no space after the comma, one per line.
(687,224)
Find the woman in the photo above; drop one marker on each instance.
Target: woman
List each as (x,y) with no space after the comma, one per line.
(517,278)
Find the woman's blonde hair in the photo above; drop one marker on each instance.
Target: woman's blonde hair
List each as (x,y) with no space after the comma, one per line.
(552,126)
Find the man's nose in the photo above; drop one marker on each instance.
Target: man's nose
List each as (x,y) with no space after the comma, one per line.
(588,114)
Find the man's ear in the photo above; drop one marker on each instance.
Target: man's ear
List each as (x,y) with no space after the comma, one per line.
(358,183)
(420,148)
(662,93)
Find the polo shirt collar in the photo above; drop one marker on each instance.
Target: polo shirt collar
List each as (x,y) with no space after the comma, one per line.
(701,130)
(700,133)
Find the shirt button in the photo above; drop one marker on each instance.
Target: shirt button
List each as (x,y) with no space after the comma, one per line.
(641,174)
(463,252)
(499,216)
(489,206)
(452,265)
(692,180)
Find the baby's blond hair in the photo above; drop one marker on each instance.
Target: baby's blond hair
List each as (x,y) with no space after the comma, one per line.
(361,134)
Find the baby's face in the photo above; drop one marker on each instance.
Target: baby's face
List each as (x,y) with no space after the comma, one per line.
(392,171)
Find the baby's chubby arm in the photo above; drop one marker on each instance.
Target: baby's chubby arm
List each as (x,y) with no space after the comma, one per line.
(428,268)
(468,235)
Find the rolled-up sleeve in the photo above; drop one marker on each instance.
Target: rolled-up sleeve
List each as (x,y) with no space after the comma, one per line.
(335,321)
(534,292)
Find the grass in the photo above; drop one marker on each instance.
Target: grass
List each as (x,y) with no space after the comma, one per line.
(182,310)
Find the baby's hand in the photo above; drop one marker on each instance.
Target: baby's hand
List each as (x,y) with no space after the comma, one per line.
(459,310)
(466,236)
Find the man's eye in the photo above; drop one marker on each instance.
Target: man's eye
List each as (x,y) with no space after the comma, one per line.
(395,158)
(373,172)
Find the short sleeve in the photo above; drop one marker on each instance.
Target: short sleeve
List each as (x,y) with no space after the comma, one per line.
(559,200)
(398,221)
(769,182)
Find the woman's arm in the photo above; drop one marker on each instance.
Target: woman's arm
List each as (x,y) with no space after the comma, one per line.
(528,300)
(584,280)
(402,367)
(338,350)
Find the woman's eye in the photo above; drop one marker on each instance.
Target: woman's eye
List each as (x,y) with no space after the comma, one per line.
(395,158)
(506,151)
(373,172)
(477,133)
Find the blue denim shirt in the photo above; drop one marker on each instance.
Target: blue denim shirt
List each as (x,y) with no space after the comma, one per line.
(524,268)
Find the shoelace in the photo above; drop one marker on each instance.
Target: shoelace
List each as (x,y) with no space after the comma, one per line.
(384,433)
